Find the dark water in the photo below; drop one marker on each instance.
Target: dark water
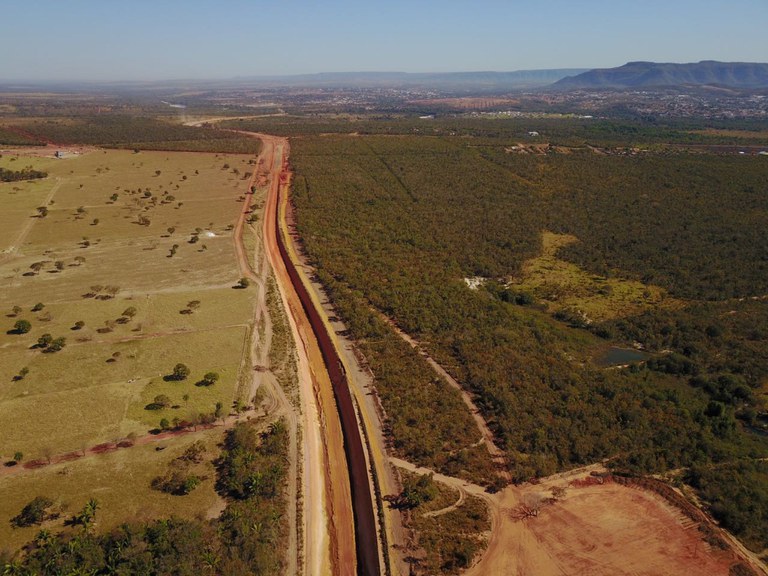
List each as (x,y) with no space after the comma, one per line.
(619,356)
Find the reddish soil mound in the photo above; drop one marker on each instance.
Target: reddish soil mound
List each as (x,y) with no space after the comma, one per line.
(104,448)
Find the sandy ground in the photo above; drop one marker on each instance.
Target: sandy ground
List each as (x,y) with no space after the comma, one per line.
(315,544)
(598,530)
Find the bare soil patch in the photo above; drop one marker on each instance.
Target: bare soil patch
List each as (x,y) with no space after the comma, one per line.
(597,529)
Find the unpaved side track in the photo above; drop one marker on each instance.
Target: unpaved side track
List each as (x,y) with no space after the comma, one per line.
(316,535)
(256,268)
(371,414)
(497,454)
(14,249)
(349,504)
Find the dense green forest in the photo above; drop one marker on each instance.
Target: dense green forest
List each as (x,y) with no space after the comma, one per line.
(139,132)
(248,538)
(420,214)
(738,495)
(426,419)
(690,223)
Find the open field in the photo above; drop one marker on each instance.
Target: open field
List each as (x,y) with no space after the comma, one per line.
(75,397)
(130,305)
(114,361)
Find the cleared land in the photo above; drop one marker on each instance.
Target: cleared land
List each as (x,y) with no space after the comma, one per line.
(598,529)
(134,264)
(575,523)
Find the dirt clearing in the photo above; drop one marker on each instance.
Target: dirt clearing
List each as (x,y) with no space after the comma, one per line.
(602,529)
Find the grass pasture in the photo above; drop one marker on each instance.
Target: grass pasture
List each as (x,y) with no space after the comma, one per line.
(76,398)
(96,389)
(19,202)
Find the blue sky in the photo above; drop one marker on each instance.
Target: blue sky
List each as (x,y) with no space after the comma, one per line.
(169,39)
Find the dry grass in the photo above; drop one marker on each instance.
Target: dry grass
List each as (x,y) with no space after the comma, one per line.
(76,397)
(96,389)
(19,202)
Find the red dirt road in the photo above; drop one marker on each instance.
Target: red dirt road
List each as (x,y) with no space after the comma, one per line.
(338,513)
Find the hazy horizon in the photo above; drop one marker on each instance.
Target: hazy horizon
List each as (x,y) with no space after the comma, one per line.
(143,41)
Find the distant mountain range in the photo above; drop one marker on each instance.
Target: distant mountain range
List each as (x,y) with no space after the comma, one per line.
(651,74)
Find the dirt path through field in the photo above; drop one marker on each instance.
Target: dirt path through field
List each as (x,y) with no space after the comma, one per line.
(13,250)
(256,268)
(225,423)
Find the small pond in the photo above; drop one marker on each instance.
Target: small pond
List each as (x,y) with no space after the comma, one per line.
(615,356)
